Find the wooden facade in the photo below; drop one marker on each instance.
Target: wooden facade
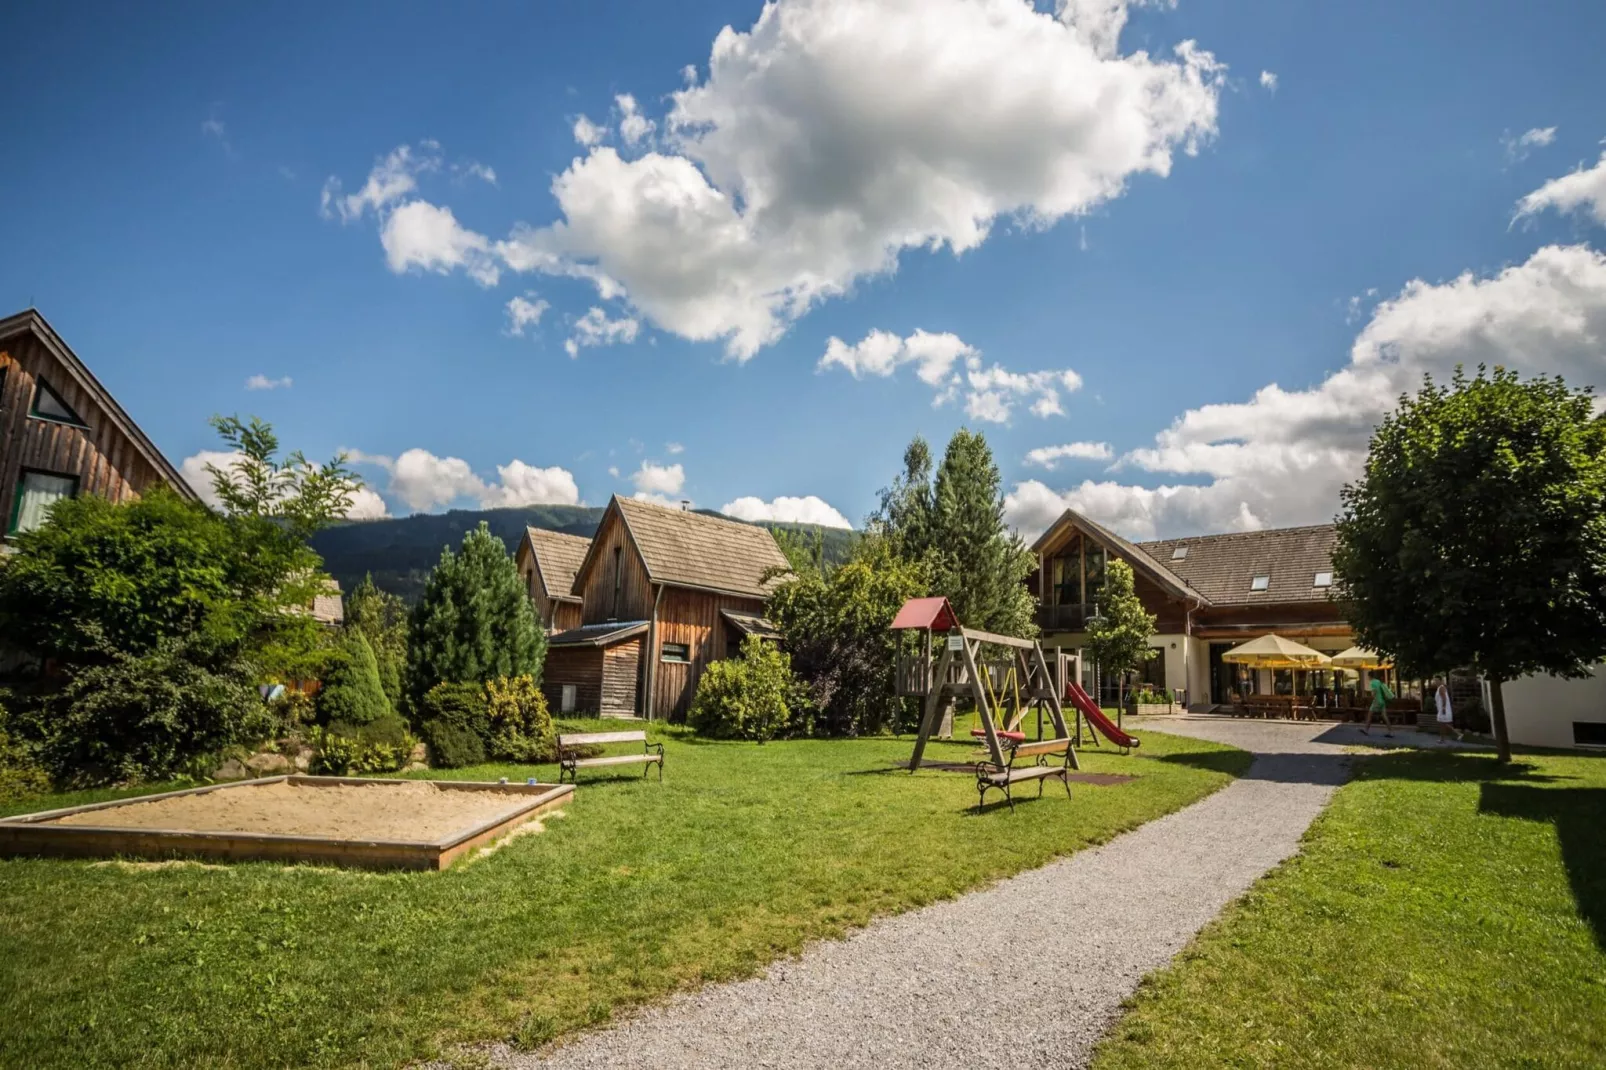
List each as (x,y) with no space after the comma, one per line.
(605,678)
(557,611)
(102,451)
(692,619)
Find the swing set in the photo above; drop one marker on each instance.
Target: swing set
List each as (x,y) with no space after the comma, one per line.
(1005,693)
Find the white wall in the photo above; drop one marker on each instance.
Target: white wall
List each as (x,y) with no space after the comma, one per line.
(1540,710)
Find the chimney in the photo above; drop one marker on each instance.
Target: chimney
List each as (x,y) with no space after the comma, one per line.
(685,505)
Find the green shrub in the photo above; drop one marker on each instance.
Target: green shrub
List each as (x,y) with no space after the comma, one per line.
(351,690)
(344,749)
(148,716)
(452,746)
(521,724)
(21,775)
(293,709)
(751,697)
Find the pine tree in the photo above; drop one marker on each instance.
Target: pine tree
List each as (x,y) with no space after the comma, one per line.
(381,617)
(976,560)
(474,622)
(351,693)
(1119,640)
(904,516)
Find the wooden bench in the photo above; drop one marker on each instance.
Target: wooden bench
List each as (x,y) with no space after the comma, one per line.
(991,776)
(570,746)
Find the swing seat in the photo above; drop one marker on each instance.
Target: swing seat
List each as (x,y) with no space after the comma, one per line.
(1013,737)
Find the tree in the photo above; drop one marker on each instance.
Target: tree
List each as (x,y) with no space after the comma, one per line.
(256,484)
(904,516)
(381,618)
(751,697)
(977,562)
(474,622)
(1119,639)
(351,693)
(1477,534)
(836,628)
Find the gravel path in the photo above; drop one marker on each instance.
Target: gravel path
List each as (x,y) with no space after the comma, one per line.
(1027,973)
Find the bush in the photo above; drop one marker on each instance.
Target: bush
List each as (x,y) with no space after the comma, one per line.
(21,775)
(293,709)
(521,724)
(751,697)
(344,749)
(452,746)
(351,690)
(148,716)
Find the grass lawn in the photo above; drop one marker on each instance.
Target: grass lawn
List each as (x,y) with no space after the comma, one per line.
(1443,913)
(743,854)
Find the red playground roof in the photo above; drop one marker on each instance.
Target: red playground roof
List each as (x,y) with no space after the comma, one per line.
(932,614)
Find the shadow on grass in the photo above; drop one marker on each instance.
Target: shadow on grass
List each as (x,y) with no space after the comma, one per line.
(1579,815)
(1329,769)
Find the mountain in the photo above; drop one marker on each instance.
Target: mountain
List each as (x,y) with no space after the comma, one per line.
(399,552)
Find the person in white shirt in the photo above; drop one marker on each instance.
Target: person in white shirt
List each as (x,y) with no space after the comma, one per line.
(1443,713)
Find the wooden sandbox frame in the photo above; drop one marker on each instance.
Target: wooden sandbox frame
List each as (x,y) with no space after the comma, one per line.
(33,834)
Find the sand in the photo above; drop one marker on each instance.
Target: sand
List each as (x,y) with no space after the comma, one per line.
(407,810)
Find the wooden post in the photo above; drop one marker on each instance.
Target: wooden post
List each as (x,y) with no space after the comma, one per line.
(982,709)
(934,697)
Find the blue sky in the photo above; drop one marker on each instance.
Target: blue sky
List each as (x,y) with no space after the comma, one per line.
(1134,240)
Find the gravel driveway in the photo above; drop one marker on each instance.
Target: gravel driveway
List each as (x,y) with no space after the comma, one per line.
(1026,973)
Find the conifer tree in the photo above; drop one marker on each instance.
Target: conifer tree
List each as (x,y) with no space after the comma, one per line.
(351,693)
(381,617)
(976,560)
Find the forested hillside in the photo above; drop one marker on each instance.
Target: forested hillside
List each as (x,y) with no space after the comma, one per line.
(400,552)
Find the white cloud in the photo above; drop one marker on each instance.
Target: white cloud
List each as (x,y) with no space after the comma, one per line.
(613,470)
(1281,457)
(522,312)
(654,478)
(214,128)
(422,235)
(366,504)
(1584,189)
(1050,456)
(672,448)
(262,382)
(424,481)
(990,393)
(1268,81)
(633,126)
(1518,148)
(475,169)
(806,510)
(393,178)
(833,135)
(588,133)
(596,329)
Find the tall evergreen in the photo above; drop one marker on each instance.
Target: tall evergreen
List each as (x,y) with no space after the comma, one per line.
(978,562)
(474,622)
(904,516)
(351,693)
(381,617)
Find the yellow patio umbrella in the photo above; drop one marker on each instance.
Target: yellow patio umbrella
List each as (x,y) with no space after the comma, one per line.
(1360,658)
(1275,652)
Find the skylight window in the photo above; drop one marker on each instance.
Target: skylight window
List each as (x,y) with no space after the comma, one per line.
(1260,583)
(1323,579)
(1179,554)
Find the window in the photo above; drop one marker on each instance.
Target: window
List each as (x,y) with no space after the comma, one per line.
(1179,554)
(47,405)
(679,653)
(1323,579)
(1589,733)
(1260,583)
(618,564)
(568,698)
(36,493)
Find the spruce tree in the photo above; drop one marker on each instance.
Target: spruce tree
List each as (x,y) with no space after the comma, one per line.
(474,622)
(351,693)
(977,561)
(904,516)
(381,617)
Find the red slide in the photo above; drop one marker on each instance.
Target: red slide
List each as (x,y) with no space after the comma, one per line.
(1095,717)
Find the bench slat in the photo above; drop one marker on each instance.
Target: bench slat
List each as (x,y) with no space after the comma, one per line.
(1046,746)
(617,759)
(586,739)
(1031,772)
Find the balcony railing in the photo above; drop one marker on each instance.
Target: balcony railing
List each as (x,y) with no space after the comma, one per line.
(1071,617)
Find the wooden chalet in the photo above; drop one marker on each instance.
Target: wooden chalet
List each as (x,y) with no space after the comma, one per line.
(663,593)
(61,433)
(1208,593)
(548,561)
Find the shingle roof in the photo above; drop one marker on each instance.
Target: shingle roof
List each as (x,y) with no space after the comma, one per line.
(1222,567)
(687,549)
(558,556)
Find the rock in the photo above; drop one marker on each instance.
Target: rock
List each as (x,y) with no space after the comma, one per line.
(303,760)
(268,763)
(413,767)
(230,770)
(420,753)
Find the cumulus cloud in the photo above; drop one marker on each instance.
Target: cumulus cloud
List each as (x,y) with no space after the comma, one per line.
(424,481)
(832,135)
(658,479)
(633,126)
(596,329)
(393,177)
(366,504)
(523,313)
(1050,456)
(1518,147)
(262,382)
(426,236)
(990,393)
(1281,457)
(1583,190)
(588,133)
(475,169)
(805,510)
(1268,81)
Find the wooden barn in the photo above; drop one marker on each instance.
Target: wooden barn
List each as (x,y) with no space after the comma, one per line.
(548,561)
(663,591)
(61,433)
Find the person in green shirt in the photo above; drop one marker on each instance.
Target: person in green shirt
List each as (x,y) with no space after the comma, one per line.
(1381,696)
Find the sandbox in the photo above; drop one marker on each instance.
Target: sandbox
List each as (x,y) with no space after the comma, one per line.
(346,821)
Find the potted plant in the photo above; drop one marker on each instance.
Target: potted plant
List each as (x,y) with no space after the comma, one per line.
(1148,701)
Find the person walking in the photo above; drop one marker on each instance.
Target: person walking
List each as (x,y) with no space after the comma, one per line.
(1443,714)
(1381,696)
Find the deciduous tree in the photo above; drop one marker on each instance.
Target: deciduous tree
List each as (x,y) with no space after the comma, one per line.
(1118,640)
